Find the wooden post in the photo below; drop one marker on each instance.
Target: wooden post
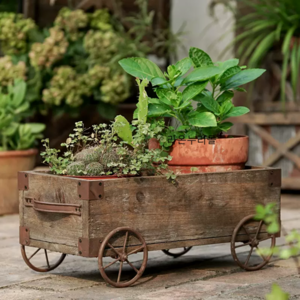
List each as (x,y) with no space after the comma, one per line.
(29,8)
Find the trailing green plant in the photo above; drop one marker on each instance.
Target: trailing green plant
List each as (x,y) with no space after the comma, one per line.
(268,23)
(269,214)
(100,151)
(175,92)
(15,134)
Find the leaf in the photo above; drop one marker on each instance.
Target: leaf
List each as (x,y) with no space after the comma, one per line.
(229,64)
(143,101)
(140,67)
(184,65)
(10,130)
(202,74)
(158,81)
(202,119)
(193,90)
(211,132)
(225,109)
(294,70)
(227,95)
(239,89)
(241,78)
(277,293)
(19,91)
(122,127)
(210,103)
(168,97)
(225,126)
(199,58)
(36,127)
(158,110)
(262,48)
(287,40)
(229,73)
(237,111)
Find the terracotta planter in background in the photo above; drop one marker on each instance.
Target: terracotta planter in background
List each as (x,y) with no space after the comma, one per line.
(10,163)
(194,156)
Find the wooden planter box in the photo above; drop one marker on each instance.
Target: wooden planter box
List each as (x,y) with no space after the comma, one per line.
(74,216)
(274,142)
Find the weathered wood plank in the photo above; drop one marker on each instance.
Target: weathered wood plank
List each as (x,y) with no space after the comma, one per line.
(201,206)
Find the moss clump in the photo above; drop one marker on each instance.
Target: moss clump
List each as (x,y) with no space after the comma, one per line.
(94,169)
(76,168)
(89,155)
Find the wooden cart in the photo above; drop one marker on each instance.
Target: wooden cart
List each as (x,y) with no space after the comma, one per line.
(121,217)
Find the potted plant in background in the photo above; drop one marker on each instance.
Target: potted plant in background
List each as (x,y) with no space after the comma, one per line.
(268,36)
(175,92)
(17,143)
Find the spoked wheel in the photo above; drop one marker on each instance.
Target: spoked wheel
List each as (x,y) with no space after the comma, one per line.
(176,254)
(120,244)
(246,238)
(41,260)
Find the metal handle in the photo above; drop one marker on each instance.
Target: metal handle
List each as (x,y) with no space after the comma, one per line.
(49,207)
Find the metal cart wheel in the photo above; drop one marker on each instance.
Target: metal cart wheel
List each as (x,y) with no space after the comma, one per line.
(247,234)
(177,254)
(115,246)
(48,267)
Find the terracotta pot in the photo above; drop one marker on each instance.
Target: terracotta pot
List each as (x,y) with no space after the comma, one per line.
(11,162)
(194,156)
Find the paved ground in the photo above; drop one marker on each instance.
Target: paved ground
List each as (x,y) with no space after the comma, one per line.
(206,272)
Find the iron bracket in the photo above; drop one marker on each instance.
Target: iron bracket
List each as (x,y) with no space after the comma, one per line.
(23,182)
(88,247)
(90,190)
(274,178)
(24,236)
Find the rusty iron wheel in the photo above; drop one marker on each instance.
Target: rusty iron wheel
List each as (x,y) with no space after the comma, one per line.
(48,267)
(177,254)
(121,255)
(252,240)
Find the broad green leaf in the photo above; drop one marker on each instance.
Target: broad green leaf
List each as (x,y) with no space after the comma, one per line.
(140,67)
(227,95)
(211,132)
(193,90)
(183,127)
(202,74)
(199,58)
(184,65)
(11,129)
(168,97)
(237,111)
(277,293)
(158,110)
(153,100)
(225,109)
(122,127)
(143,101)
(21,108)
(229,73)
(210,103)
(287,39)
(225,126)
(18,92)
(229,64)
(158,81)
(202,119)
(35,127)
(241,78)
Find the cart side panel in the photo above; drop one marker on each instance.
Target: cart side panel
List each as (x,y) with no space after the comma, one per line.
(52,230)
(201,206)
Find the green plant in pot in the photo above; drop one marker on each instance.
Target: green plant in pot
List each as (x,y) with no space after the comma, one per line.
(17,143)
(197,141)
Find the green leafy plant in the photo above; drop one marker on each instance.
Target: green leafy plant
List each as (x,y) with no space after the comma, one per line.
(175,92)
(268,23)
(14,133)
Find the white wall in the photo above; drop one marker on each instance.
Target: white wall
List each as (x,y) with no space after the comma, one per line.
(202,30)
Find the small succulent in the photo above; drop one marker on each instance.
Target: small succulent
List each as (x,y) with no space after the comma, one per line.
(110,156)
(94,169)
(76,168)
(89,155)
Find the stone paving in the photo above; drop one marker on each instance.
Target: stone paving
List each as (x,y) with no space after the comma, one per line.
(206,272)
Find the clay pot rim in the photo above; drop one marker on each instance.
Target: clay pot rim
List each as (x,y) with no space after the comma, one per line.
(18,153)
(223,138)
